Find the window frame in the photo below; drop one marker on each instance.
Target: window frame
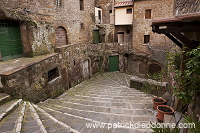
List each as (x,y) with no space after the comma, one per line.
(146,39)
(148,14)
(53,74)
(81,5)
(129,9)
(82,26)
(58,3)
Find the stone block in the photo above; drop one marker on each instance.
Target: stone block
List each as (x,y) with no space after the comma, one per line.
(138,83)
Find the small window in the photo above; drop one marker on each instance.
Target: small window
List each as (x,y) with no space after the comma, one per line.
(58,3)
(81,5)
(129,11)
(99,15)
(52,74)
(146,39)
(110,11)
(128,31)
(148,14)
(82,26)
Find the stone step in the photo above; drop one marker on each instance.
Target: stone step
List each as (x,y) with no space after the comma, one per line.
(111,77)
(138,110)
(106,93)
(51,123)
(76,123)
(109,97)
(122,78)
(90,117)
(8,107)
(31,121)
(13,122)
(106,101)
(4,98)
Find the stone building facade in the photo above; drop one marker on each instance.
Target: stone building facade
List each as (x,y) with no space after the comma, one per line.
(57,47)
(145,42)
(57,44)
(184,30)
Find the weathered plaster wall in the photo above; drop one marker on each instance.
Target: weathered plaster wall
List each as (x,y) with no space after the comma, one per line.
(121,16)
(186,6)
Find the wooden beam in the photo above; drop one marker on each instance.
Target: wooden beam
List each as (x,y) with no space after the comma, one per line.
(174,40)
(184,40)
(172,29)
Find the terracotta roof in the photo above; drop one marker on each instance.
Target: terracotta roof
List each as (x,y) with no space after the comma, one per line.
(179,18)
(124,3)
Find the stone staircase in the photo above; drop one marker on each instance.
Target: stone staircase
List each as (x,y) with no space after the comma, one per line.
(105,98)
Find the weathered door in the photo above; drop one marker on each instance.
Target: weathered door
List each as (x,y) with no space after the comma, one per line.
(86,69)
(96,36)
(10,40)
(113,63)
(61,36)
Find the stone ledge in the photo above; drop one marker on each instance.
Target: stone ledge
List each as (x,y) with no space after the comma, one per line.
(138,83)
(15,65)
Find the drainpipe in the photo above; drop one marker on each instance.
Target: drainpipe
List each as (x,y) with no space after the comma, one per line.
(114,21)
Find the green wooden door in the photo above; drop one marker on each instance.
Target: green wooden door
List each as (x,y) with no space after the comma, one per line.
(113,63)
(96,36)
(10,40)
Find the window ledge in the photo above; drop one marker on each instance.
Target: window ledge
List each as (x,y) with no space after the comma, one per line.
(145,44)
(54,80)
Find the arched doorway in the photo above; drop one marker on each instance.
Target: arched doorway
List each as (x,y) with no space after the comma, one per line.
(61,36)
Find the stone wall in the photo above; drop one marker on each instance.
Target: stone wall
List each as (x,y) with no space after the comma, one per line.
(158,44)
(127,30)
(72,58)
(31,82)
(186,6)
(70,16)
(39,20)
(106,6)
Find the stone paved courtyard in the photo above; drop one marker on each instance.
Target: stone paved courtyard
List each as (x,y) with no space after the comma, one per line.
(106,98)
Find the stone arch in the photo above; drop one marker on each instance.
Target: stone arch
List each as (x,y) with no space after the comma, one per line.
(61,36)
(154,68)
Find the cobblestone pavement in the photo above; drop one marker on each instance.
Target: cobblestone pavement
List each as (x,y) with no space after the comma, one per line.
(104,99)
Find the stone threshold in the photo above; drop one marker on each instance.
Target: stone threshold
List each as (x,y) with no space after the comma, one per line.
(12,66)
